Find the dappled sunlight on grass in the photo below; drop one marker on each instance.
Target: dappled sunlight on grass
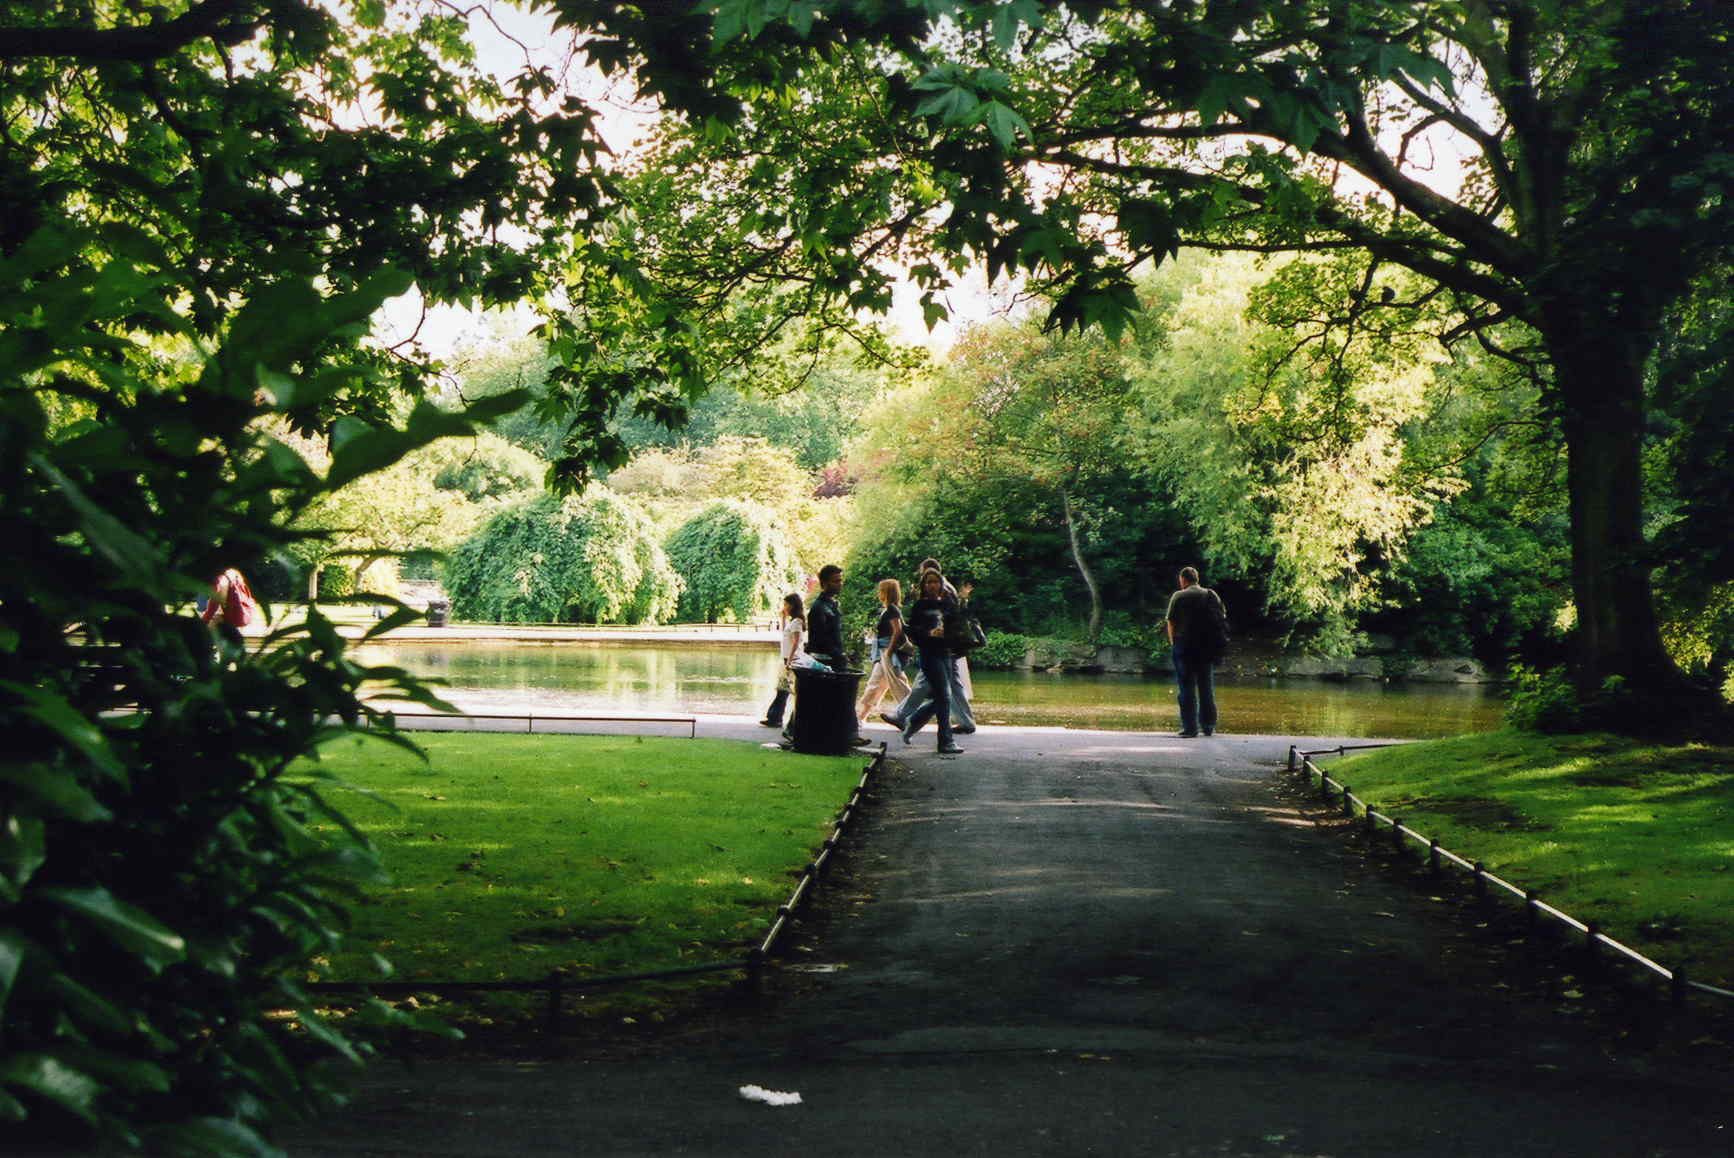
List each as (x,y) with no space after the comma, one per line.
(1639,839)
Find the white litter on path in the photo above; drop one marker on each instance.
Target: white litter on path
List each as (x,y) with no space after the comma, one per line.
(770,1097)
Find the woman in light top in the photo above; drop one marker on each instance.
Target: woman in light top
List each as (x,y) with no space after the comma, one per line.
(887,676)
(791,626)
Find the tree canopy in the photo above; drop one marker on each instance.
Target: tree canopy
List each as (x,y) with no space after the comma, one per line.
(1579,158)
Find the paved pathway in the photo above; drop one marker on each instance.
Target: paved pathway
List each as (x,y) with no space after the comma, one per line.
(1076,943)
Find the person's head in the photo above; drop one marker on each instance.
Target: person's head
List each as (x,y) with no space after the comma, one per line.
(929,564)
(932,583)
(890,592)
(830,578)
(1188,576)
(793,607)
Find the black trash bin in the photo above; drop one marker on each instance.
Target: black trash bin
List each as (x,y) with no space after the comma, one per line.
(824,720)
(438,611)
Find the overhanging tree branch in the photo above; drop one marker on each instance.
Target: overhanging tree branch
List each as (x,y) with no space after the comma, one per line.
(224,21)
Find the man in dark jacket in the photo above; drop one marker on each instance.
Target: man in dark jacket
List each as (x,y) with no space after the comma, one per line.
(825,621)
(1192,610)
(825,634)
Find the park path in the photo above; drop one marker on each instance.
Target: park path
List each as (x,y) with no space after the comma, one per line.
(1076,943)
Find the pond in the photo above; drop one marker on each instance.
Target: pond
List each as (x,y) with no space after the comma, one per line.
(511,678)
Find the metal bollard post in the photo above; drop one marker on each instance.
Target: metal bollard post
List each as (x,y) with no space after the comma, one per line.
(556,984)
(1291,752)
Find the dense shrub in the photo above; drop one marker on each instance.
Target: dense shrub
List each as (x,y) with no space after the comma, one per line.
(1548,701)
(163,885)
(734,562)
(1003,649)
(590,558)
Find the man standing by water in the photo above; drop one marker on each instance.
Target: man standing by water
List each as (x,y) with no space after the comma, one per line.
(825,621)
(1196,630)
(825,633)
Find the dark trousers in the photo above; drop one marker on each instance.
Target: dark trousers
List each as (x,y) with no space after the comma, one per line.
(936,666)
(1197,681)
(774,713)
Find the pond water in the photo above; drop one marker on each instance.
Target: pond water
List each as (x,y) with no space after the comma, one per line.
(737,680)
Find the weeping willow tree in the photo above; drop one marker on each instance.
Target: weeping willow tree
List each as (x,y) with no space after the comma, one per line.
(589,558)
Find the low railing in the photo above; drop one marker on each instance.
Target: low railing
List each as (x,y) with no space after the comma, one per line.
(425,721)
(557,985)
(1594,940)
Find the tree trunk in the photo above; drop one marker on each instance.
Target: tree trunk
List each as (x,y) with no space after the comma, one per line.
(1083,569)
(1601,383)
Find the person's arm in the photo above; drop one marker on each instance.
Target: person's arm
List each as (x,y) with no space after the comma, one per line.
(896,631)
(219,597)
(1169,621)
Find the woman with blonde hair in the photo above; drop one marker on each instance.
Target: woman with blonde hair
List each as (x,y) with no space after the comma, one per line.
(887,676)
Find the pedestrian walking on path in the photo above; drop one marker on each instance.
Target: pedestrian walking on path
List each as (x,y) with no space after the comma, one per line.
(920,693)
(886,674)
(927,629)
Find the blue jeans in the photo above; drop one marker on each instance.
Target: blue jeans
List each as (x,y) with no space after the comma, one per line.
(1197,681)
(934,665)
(919,694)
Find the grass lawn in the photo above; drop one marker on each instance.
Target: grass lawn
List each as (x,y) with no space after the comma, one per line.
(1636,838)
(513,855)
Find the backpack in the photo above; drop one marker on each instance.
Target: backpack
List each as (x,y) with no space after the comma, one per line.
(1212,630)
(239,607)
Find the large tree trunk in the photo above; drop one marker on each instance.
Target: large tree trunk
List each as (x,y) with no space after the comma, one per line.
(1602,387)
(1083,568)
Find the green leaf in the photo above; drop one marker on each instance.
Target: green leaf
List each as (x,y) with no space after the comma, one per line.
(12,950)
(1006,124)
(55,792)
(49,1077)
(153,942)
(60,717)
(320,1030)
(954,106)
(128,553)
(23,848)
(88,1007)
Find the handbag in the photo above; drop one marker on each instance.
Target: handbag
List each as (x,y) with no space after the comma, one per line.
(963,633)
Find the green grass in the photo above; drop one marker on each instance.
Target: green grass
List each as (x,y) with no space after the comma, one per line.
(1636,838)
(515,855)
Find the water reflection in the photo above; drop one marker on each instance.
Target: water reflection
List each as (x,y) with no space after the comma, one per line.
(737,680)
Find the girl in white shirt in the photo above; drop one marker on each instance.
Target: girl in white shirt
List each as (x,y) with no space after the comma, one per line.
(791,626)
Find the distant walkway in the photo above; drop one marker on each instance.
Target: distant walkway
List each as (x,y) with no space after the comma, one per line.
(1072,943)
(354,621)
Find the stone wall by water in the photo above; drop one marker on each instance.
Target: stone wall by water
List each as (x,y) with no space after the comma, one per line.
(1056,656)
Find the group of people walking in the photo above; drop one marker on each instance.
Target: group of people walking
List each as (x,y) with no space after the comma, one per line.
(940,689)
(928,639)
